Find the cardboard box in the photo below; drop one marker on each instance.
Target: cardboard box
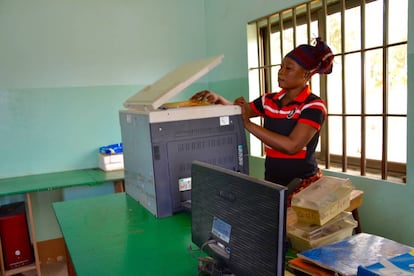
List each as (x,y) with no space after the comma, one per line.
(303,236)
(323,200)
(111,162)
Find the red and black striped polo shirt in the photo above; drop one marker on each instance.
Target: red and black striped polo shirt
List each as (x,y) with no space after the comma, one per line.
(306,108)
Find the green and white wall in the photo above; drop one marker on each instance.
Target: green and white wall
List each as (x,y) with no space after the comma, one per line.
(66,67)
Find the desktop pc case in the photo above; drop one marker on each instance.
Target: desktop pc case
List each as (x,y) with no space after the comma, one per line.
(15,238)
(161,140)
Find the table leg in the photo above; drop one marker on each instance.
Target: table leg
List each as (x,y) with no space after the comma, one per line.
(355,214)
(3,270)
(69,264)
(33,233)
(119,186)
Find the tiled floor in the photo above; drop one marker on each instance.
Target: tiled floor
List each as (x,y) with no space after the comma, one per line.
(51,269)
(54,269)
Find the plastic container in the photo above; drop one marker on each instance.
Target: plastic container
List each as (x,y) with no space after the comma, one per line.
(111,149)
(323,200)
(303,236)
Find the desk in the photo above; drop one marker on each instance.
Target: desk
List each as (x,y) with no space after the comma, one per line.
(52,181)
(115,235)
(58,180)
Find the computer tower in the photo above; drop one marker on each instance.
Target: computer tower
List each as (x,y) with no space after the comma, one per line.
(15,238)
(160,141)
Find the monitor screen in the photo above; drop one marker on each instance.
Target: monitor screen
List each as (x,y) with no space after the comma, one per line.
(238,220)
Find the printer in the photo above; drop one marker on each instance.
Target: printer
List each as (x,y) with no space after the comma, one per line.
(162,139)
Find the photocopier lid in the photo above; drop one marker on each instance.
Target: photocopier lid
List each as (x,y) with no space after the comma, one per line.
(153,96)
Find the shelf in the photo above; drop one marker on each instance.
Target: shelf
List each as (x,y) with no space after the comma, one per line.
(21,269)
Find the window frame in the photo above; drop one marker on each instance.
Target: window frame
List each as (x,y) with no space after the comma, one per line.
(308,12)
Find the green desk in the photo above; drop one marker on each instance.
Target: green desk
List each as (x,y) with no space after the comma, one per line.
(58,180)
(115,235)
(52,181)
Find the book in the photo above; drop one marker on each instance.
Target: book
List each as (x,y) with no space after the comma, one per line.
(399,265)
(309,268)
(344,257)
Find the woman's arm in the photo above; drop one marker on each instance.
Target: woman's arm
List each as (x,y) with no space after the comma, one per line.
(296,141)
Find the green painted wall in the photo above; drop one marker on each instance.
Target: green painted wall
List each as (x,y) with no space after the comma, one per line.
(67,66)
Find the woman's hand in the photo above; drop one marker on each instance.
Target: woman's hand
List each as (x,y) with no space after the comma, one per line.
(205,96)
(245,109)
(240,101)
(211,97)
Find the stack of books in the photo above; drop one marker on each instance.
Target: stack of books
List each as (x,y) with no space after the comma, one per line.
(361,254)
(320,214)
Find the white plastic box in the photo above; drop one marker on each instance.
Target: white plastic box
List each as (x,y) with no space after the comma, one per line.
(303,236)
(111,162)
(323,200)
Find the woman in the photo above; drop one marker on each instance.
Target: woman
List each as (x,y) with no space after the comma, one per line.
(293,116)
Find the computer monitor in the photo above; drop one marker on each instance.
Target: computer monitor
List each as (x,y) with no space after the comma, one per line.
(238,220)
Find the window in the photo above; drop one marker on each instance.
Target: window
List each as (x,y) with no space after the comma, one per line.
(366,94)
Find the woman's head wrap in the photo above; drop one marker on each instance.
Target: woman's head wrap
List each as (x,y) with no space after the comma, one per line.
(316,59)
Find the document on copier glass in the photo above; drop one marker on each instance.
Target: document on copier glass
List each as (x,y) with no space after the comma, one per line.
(183,104)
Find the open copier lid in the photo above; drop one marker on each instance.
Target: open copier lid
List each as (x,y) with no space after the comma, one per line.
(155,95)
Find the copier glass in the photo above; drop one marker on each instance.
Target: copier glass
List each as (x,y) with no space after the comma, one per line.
(161,139)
